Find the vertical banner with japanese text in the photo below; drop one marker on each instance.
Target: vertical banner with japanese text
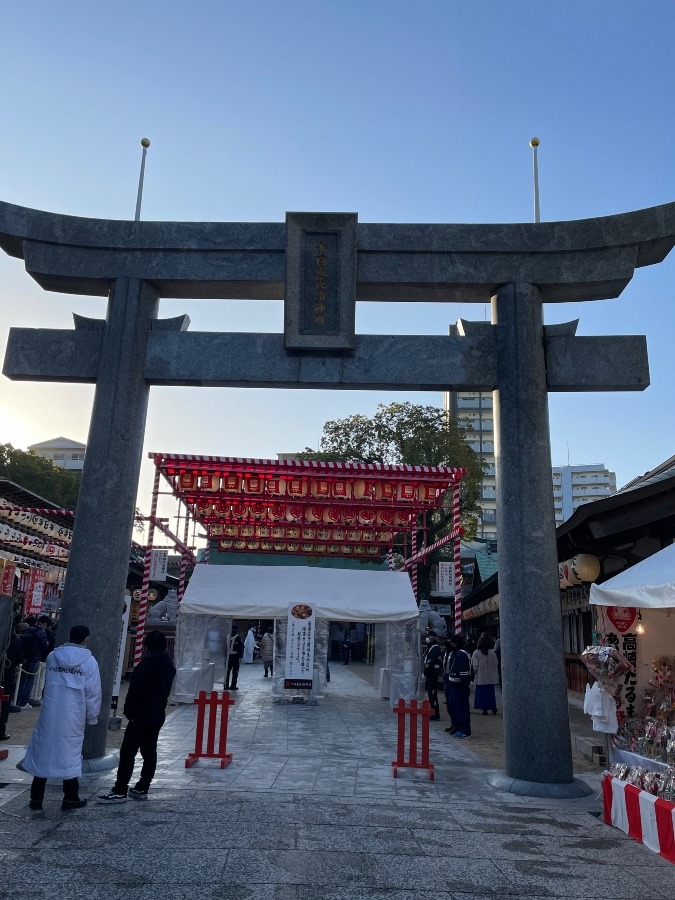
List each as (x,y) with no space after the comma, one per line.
(299,647)
(35,592)
(122,644)
(615,627)
(159,562)
(446,581)
(7,572)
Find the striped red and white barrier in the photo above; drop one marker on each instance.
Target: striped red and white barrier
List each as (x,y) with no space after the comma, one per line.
(642,816)
(457,557)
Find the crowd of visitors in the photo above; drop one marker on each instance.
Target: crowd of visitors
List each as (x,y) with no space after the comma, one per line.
(456,668)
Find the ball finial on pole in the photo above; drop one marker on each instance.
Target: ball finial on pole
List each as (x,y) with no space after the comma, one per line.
(534,143)
(145,143)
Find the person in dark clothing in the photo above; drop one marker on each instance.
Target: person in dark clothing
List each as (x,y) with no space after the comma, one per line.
(233,656)
(13,659)
(35,651)
(433,663)
(346,649)
(45,623)
(458,670)
(145,708)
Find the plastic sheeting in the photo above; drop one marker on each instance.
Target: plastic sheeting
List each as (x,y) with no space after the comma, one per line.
(199,654)
(648,584)
(265,592)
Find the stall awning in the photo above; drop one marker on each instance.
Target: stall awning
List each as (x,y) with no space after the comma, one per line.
(264,592)
(648,584)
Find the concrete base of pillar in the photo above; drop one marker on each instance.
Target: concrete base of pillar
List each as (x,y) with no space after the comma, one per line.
(100,763)
(572,790)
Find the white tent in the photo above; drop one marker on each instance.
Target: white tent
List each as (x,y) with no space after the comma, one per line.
(264,592)
(649,584)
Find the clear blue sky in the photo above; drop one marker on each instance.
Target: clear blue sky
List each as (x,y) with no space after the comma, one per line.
(399,111)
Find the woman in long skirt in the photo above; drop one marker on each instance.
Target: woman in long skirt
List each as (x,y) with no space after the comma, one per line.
(486,671)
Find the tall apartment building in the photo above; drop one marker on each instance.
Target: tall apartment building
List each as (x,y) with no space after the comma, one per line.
(62,452)
(572,485)
(575,485)
(473,410)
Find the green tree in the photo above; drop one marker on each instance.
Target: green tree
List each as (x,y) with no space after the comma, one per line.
(39,475)
(417,435)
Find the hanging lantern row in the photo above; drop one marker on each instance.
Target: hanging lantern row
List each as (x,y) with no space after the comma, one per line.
(312,514)
(305,533)
(307,547)
(307,488)
(31,519)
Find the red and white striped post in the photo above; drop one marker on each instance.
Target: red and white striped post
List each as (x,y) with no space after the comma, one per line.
(143,604)
(413,568)
(457,557)
(183,558)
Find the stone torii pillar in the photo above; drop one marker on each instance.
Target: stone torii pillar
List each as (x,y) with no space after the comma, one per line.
(320,264)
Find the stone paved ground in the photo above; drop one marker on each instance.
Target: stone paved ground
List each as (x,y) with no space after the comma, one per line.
(309,810)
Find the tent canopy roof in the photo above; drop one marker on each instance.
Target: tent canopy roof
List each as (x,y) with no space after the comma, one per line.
(265,592)
(648,584)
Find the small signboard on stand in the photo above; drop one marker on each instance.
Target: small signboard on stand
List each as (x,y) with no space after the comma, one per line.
(299,670)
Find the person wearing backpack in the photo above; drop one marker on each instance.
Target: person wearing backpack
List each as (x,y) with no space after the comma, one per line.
(458,671)
(234,650)
(433,664)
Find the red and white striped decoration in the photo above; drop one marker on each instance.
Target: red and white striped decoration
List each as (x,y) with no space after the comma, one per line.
(413,568)
(457,558)
(640,815)
(184,557)
(164,459)
(454,535)
(143,603)
(37,510)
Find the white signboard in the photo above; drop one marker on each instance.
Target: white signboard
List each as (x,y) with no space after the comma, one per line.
(446,582)
(122,643)
(159,564)
(299,647)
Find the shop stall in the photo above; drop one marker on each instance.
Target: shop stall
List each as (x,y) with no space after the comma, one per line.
(636,617)
(302,601)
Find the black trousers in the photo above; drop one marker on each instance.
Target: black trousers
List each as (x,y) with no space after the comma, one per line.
(138,736)
(71,788)
(232,671)
(268,666)
(460,712)
(432,694)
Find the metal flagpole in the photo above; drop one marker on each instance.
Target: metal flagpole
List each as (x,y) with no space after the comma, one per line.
(145,143)
(534,143)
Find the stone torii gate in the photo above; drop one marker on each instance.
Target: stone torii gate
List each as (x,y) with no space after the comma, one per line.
(319,265)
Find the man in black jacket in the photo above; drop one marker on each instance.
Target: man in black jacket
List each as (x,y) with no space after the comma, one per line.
(433,665)
(234,650)
(458,676)
(145,708)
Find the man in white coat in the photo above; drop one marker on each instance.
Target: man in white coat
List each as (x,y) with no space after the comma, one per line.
(72,698)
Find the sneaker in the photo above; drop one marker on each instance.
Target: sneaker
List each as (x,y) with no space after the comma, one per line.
(112,797)
(459,734)
(34,703)
(27,706)
(135,794)
(35,805)
(5,737)
(14,708)
(72,804)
